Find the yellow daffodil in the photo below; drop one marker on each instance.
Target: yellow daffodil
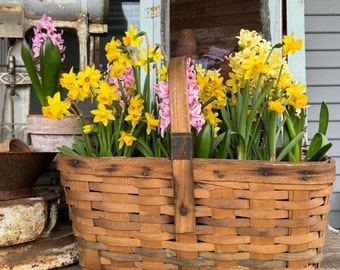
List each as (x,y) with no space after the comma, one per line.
(125,139)
(90,129)
(56,108)
(276,106)
(134,116)
(89,79)
(211,116)
(133,37)
(163,72)
(233,82)
(68,79)
(296,97)
(142,61)
(154,54)
(255,66)
(106,94)
(136,103)
(102,114)
(151,122)
(112,50)
(290,45)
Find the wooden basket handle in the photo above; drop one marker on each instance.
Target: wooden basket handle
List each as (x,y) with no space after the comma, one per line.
(181,147)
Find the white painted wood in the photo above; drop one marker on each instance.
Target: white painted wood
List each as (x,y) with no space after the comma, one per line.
(323,23)
(335,202)
(275,18)
(323,76)
(296,24)
(322,27)
(150,22)
(317,7)
(329,94)
(323,59)
(322,41)
(332,134)
(313,111)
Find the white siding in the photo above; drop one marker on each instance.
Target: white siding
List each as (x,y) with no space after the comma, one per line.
(322,24)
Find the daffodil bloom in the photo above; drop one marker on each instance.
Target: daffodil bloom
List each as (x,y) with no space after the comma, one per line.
(135,110)
(163,73)
(155,54)
(296,97)
(134,116)
(56,108)
(136,103)
(106,94)
(210,116)
(68,79)
(102,114)
(233,82)
(142,61)
(112,50)
(125,139)
(276,106)
(75,92)
(151,122)
(133,37)
(89,78)
(255,66)
(90,129)
(117,69)
(290,45)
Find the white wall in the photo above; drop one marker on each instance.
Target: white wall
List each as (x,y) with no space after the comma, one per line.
(322,32)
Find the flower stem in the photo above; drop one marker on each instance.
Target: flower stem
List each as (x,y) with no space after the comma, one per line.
(86,137)
(292,134)
(272,135)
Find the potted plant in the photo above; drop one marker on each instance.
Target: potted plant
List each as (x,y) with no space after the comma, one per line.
(44,65)
(202,173)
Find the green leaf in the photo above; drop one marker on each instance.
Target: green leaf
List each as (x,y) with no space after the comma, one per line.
(323,119)
(320,154)
(290,146)
(32,71)
(144,148)
(318,147)
(203,141)
(67,151)
(217,141)
(50,63)
(79,146)
(224,150)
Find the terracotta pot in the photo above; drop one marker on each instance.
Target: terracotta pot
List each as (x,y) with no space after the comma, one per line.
(46,134)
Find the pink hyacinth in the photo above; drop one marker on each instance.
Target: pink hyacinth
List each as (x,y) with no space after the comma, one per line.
(197,120)
(127,80)
(44,29)
(163,102)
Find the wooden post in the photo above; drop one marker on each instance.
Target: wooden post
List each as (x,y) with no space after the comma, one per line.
(181,147)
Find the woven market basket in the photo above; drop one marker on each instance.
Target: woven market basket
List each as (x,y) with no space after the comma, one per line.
(183,213)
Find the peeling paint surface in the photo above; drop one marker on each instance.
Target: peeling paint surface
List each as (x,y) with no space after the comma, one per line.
(22,221)
(55,251)
(63,9)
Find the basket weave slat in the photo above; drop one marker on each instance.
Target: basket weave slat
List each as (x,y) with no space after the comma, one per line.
(234,226)
(248,215)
